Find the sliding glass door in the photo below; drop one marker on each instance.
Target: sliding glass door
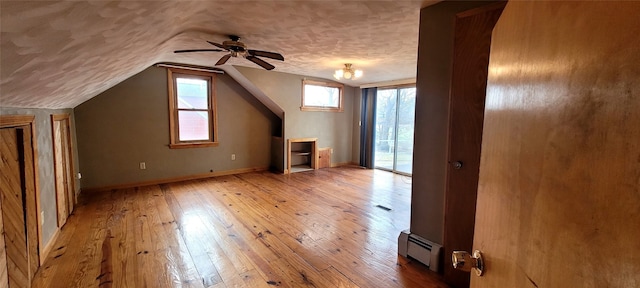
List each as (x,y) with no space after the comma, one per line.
(394,121)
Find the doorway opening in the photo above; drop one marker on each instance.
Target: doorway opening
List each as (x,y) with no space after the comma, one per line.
(394,129)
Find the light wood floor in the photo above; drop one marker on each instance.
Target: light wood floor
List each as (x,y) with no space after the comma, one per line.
(318,228)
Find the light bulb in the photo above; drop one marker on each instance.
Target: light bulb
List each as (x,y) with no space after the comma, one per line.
(339,73)
(347,74)
(358,74)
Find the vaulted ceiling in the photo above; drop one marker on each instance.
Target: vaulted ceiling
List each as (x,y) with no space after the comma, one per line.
(58,54)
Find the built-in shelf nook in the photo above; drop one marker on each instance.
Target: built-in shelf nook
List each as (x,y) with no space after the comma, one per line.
(302,154)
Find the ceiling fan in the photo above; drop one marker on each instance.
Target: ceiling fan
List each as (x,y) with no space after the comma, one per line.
(239,49)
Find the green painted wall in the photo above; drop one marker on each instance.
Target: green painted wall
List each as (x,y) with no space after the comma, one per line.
(333,129)
(128,124)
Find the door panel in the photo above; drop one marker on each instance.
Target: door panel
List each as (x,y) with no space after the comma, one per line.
(30,199)
(395,118)
(406,122)
(466,111)
(558,194)
(63,166)
(324,158)
(385,131)
(61,187)
(4,276)
(68,164)
(11,197)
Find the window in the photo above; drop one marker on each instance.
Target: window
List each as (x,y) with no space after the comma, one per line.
(321,96)
(192,105)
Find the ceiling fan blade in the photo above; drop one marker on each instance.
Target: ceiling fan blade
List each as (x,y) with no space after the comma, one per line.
(260,62)
(272,55)
(197,50)
(218,45)
(223,59)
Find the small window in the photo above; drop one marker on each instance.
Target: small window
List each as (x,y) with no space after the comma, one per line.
(321,96)
(192,108)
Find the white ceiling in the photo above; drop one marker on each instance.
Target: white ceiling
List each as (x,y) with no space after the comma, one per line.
(58,54)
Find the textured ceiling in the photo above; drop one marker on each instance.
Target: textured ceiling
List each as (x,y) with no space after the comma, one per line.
(58,54)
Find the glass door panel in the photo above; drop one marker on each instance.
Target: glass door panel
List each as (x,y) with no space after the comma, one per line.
(395,114)
(406,116)
(385,133)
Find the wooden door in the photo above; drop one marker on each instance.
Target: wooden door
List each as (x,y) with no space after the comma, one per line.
(63,167)
(472,43)
(19,198)
(4,275)
(559,188)
(58,165)
(11,199)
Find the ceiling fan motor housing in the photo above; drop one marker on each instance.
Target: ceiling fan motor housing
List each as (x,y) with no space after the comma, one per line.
(235,46)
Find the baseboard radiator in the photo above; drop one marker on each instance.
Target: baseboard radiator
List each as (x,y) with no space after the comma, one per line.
(418,248)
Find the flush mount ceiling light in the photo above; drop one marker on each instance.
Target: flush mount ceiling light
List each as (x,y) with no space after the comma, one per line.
(347,72)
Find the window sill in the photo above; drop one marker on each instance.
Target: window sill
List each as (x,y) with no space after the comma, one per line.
(193,145)
(321,109)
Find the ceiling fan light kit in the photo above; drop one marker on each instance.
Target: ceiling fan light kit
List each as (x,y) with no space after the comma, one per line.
(347,72)
(239,49)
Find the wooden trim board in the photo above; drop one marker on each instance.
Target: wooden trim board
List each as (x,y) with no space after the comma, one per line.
(49,246)
(174,179)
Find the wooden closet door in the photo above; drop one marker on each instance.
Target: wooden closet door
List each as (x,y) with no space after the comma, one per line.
(4,276)
(61,187)
(11,197)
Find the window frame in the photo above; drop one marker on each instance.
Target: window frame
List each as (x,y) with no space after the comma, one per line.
(175,142)
(340,87)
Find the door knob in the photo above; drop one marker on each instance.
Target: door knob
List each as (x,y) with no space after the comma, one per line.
(463,261)
(457,165)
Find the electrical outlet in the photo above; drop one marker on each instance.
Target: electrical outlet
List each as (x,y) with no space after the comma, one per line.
(143,165)
(233,156)
(331,150)
(42,217)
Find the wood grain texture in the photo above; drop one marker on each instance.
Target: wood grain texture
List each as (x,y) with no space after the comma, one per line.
(63,166)
(4,276)
(472,43)
(14,226)
(69,176)
(324,158)
(559,189)
(24,126)
(31,199)
(59,172)
(318,228)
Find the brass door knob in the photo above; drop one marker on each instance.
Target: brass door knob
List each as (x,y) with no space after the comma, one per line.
(462,260)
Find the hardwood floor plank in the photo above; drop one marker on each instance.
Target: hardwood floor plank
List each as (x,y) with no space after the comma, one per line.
(178,267)
(191,228)
(336,278)
(311,229)
(245,237)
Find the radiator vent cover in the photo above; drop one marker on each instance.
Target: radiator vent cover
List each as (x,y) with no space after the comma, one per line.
(423,250)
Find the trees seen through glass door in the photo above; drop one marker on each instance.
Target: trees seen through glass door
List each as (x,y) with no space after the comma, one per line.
(395,113)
